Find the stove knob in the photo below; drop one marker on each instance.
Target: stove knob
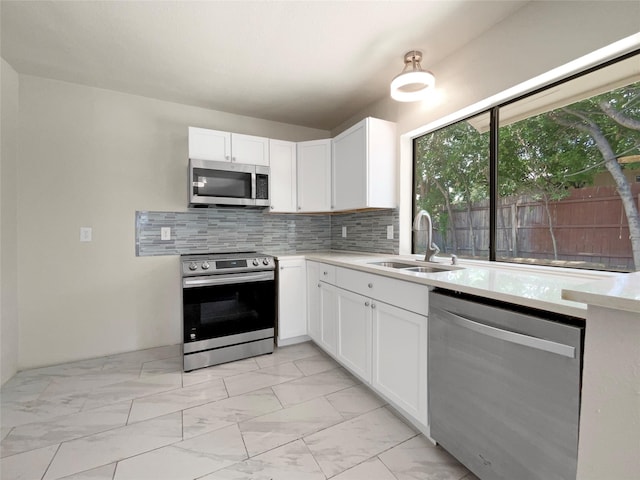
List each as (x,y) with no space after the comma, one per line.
(193,266)
(205,265)
(265,261)
(255,262)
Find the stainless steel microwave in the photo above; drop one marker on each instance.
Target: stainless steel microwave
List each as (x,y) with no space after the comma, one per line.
(226,183)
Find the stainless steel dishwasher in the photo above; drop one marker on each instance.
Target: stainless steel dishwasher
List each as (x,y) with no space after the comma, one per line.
(504,387)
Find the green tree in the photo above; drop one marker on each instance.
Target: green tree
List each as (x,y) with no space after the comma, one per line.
(543,157)
(538,159)
(610,127)
(451,173)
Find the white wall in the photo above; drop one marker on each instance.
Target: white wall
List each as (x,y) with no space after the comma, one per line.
(537,38)
(92,157)
(8,234)
(610,409)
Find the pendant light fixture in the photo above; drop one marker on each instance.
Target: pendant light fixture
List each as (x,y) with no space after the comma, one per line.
(413,83)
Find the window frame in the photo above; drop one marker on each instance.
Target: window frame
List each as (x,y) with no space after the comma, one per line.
(493,111)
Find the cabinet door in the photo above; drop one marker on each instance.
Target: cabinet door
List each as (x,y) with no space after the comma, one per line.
(292,305)
(364,166)
(328,320)
(313,301)
(205,144)
(382,168)
(282,159)
(354,332)
(349,168)
(314,176)
(400,358)
(249,149)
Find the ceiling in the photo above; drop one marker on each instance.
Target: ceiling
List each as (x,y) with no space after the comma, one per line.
(309,63)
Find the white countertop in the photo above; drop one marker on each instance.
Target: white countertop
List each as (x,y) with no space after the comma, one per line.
(560,292)
(621,292)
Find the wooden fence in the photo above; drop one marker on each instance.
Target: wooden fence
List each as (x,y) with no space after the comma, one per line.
(590,228)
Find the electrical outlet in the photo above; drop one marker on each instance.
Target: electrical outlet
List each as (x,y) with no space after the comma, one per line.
(165,233)
(85,234)
(344,232)
(389,232)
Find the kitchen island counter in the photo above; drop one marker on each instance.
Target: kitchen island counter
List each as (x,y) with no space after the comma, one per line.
(621,292)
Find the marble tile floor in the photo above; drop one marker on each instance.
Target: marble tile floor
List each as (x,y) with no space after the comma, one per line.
(291,415)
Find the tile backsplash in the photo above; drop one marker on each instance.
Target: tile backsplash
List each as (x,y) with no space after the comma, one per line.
(366,231)
(202,230)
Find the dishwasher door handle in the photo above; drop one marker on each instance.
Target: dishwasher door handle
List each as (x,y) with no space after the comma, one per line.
(508,336)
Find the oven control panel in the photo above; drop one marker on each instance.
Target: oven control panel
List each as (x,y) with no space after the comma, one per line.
(203,265)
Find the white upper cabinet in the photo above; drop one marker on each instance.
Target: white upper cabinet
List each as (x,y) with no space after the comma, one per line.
(364,166)
(283,178)
(249,149)
(314,176)
(205,144)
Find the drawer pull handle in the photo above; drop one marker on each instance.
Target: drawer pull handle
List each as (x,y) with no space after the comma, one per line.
(370,285)
(326,273)
(373,305)
(366,304)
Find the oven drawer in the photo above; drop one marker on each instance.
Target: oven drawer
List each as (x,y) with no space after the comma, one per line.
(212,343)
(226,354)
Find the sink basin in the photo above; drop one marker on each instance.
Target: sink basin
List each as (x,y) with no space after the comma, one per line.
(393,264)
(426,269)
(412,267)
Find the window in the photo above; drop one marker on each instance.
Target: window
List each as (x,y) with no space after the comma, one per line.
(452,184)
(566,161)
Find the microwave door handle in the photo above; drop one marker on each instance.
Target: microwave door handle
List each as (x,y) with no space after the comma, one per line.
(253,185)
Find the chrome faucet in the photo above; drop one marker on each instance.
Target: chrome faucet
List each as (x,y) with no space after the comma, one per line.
(432,248)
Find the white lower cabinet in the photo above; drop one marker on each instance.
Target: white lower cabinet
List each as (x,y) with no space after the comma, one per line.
(321,308)
(382,344)
(313,301)
(292,301)
(354,332)
(400,358)
(328,320)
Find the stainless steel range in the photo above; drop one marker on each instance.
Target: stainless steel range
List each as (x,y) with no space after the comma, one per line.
(229,307)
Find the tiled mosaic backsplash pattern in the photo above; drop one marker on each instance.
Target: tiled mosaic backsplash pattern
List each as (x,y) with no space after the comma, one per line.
(239,229)
(366,231)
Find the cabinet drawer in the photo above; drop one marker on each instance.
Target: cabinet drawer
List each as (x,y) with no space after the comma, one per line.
(407,295)
(327,273)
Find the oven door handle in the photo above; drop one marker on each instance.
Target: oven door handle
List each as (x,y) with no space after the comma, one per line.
(230,279)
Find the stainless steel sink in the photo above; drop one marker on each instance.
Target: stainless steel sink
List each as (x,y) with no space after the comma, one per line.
(426,269)
(393,264)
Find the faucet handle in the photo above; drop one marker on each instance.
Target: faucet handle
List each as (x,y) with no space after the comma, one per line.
(454,259)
